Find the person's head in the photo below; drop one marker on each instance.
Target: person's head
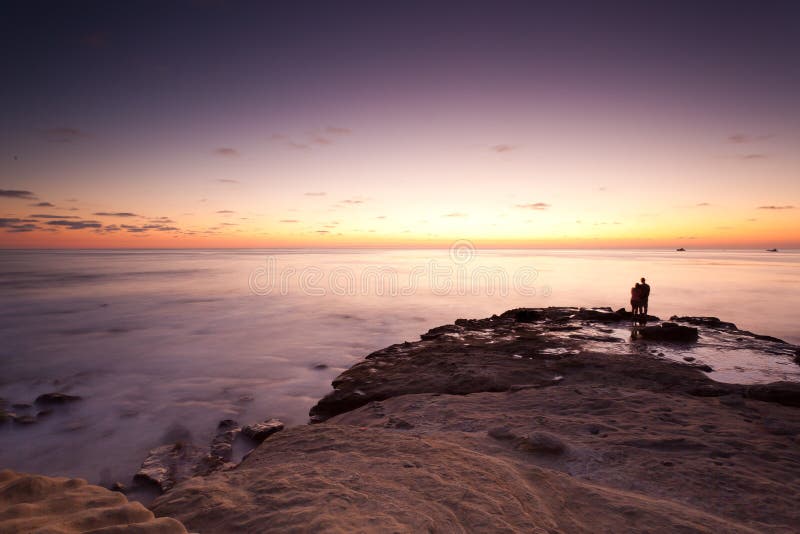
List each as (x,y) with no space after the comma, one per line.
(638,284)
(643,279)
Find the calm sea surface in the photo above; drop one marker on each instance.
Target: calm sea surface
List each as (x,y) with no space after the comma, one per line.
(164,344)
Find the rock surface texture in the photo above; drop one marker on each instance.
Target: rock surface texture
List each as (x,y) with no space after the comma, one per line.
(538,420)
(31,503)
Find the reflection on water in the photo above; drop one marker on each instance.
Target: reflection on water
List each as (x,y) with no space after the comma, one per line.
(166,343)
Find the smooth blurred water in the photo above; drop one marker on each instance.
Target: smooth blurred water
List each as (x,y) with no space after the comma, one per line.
(164,344)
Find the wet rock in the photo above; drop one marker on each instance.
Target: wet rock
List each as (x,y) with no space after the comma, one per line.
(599,339)
(625,315)
(761,337)
(320,367)
(24,419)
(688,358)
(119,487)
(22,406)
(704,367)
(524,315)
(222,444)
(433,333)
(708,322)
(168,465)
(786,393)
(670,332)
(261,431)
(797,356)
(56,398)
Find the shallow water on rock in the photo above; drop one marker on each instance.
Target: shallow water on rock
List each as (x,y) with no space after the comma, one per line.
(162,345)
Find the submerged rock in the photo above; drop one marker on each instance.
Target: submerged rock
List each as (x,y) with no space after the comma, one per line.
(56,398)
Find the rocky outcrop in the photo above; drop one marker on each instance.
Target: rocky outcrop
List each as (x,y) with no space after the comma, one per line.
(261,431)
(32,503)
(170,464)
(494,424)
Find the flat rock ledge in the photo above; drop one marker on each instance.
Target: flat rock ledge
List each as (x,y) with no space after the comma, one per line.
(538,420)
(32,503)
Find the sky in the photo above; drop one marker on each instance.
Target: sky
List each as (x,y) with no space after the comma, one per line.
(399,124)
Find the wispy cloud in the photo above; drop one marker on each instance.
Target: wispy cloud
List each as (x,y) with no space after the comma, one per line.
(114,214)
(51,216)
(702,204)
(226,152)
(776,207)
(43,205)
(315,194)
(753,156)
(225,211)
(289,221)
(15,225)
(62,134)
(352,201)
(75,225)
(538,206)
(16,193)
(741,138)
(455,214)
(147,227)
(338,130)
(501,148)
(227,181)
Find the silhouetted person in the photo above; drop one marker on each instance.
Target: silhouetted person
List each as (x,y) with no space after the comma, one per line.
(636,299)
(645,289)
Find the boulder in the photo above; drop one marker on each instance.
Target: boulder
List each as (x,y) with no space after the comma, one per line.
(222,444)
(670,332)
(168,465)
(261,431)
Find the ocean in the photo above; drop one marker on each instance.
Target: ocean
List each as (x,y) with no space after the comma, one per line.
(163,344)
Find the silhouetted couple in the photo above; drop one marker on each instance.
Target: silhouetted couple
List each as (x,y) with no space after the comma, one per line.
(640,293)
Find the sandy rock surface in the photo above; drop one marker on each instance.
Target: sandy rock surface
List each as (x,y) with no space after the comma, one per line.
(55,505)
(534,421)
